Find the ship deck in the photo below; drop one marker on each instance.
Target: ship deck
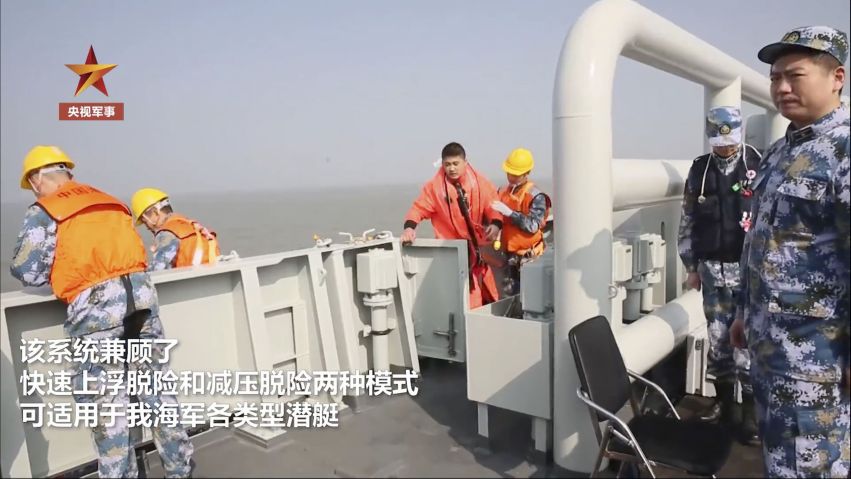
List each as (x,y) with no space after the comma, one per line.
(432,434)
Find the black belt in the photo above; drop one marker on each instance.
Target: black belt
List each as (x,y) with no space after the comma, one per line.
(134,319)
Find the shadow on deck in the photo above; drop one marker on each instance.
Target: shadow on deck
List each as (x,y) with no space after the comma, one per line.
(432,434)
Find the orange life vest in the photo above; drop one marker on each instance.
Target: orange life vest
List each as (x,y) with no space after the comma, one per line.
(516,240)
(95,239)
(198,245)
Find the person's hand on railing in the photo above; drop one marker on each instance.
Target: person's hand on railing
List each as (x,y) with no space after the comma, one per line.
(408,236)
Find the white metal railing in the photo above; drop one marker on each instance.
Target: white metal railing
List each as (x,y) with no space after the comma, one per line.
(296,310)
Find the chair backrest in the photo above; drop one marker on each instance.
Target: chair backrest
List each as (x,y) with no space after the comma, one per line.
(599,363)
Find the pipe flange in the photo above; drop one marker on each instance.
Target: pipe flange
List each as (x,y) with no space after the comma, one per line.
(378,300)
(380,333)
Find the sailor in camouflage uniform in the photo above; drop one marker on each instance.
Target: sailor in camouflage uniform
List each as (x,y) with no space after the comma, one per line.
(178,240)
(98,270)
(712,230)
(795,275)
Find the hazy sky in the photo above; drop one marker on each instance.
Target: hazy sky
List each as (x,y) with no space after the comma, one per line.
(223,96)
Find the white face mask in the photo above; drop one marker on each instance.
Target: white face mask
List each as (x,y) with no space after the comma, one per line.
(34,188)
(735,152)
(40,174)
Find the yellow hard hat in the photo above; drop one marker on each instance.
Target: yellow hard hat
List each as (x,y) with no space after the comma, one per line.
(38,158)
(519,162)
(144,199)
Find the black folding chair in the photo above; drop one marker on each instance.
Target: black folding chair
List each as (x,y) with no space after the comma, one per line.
(688,446)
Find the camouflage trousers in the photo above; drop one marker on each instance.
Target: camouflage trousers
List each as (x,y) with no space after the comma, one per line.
(726,363)
(116,452)
(511,281)
(804,426)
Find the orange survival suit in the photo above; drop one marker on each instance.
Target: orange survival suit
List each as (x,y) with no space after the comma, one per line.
(438,202)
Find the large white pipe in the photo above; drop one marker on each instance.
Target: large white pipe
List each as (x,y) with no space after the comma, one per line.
(647,341)
(777,125)
(642,182)
(728,95)
(582,171)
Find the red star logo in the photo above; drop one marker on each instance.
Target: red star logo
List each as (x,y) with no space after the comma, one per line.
(91,73)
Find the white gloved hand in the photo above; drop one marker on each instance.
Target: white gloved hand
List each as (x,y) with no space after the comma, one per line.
(501,208)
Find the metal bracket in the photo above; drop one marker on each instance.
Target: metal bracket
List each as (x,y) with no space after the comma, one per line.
(320,242)
(699,346)
(451,333)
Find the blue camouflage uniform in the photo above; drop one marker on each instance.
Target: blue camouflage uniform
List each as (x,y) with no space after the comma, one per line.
(165,249)
(719,279)
(795,302)
(98,313)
